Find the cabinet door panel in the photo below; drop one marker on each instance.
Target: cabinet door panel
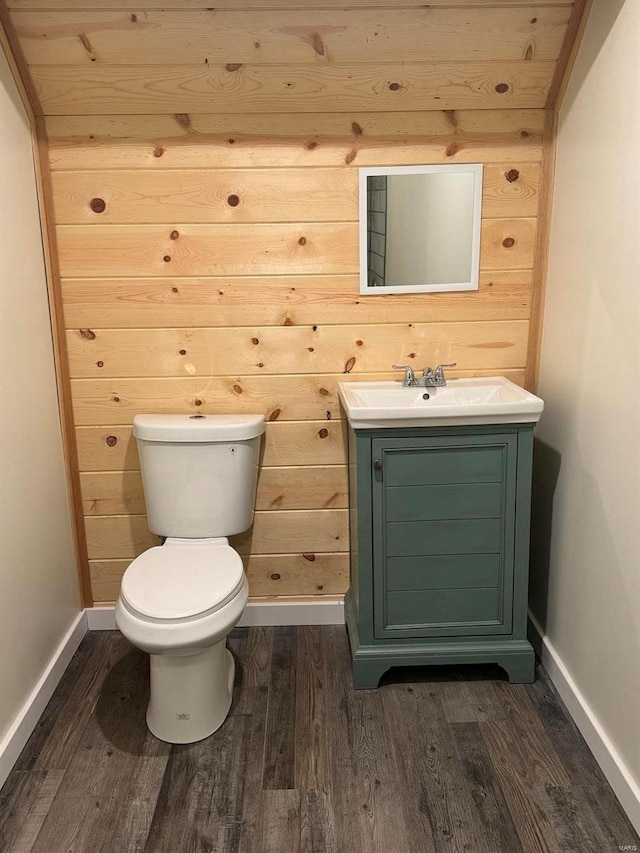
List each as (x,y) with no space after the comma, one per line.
(443,540)
(454,571)
(410,466)
(446,608)
(463,500)
(453,536)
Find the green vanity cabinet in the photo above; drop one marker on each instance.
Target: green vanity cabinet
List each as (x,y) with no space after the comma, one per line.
(439,522)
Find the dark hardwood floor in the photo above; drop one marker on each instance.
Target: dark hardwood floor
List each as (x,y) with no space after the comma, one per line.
(435,760)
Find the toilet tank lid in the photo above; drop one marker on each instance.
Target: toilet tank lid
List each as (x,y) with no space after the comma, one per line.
(197,428)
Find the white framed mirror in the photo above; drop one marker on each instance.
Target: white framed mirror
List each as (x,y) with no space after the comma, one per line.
(420,228)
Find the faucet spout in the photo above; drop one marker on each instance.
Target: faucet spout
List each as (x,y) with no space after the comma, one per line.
(433,378)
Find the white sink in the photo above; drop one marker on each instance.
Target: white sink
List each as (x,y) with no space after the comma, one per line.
(486,400)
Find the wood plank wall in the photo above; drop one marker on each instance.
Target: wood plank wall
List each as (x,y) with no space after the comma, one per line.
(208,236)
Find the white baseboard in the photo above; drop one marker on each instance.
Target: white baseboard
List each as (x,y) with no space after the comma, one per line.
(101,618)
(611,763)
(317,611)
(329,611)
(25,722)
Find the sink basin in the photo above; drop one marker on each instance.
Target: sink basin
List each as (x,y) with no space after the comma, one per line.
(486,400)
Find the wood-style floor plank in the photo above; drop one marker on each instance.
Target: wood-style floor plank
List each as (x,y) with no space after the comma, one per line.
(85,691)
(38,811)
(366,780)
(279,822)
(613,824)
(341,722)
(563,733)
(201,799)
(317,826)
(108,794)
(484,788)
(543,764)
(279,750)
(253,667)
(573,821)
(436,789)
(468,694)
(525,800)
(23,812)
(311,762)
(256,702)
(437,759)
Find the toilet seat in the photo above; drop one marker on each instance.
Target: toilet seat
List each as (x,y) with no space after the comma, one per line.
(182,581)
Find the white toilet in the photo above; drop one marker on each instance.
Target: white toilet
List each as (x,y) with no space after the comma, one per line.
(178,601)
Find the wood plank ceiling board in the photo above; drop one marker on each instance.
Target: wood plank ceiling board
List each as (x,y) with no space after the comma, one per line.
(276,37)
(477,84)
(261,5)
(289,59)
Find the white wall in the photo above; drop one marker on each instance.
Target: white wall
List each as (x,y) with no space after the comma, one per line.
(589,604)
(38,589)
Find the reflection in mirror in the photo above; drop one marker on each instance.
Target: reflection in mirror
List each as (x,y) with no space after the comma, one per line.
(420,228)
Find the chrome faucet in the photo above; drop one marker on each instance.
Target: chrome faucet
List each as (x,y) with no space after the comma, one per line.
(430,378)
(409,375)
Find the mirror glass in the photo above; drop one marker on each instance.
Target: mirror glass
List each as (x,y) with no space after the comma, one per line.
(420,228)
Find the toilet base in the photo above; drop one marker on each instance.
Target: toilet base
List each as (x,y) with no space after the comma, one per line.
(190,693)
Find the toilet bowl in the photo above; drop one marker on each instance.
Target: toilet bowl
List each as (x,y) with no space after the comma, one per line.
(179,601)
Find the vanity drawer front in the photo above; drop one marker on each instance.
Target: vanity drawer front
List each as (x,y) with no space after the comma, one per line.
(444,609)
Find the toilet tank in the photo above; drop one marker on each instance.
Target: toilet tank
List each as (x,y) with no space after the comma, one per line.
(199,472)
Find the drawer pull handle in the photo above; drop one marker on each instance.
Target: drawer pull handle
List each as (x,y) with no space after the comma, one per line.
(377,464)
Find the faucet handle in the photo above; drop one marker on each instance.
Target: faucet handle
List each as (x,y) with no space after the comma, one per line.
(409,376)
(439,371)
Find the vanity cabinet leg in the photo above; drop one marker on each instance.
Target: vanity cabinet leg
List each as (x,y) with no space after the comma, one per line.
(520,668)
(367,674)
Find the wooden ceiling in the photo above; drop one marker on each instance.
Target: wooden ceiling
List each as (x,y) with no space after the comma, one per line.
(289,56)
